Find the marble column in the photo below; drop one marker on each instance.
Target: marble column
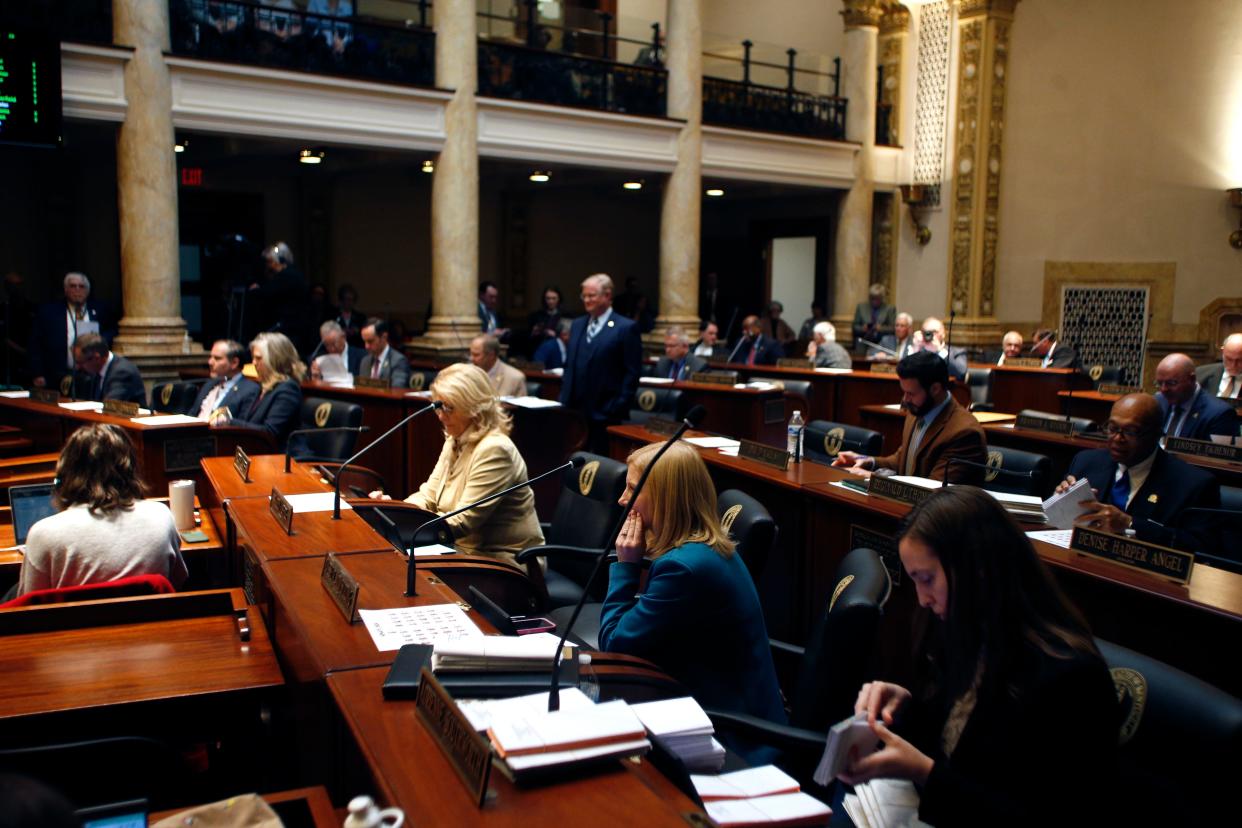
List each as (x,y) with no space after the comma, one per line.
(455,189)
(682,199)
(858,81)
(152,332)
(886,218)
(983,55)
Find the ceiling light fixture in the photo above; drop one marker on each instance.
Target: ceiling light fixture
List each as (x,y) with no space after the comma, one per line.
(715,192)
(633,185)
(429,166)
(308,156)
(540,176)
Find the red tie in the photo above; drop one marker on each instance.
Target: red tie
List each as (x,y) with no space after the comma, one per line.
(750,358)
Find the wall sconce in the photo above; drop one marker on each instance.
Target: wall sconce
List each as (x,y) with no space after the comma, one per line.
(913,195)
(1235,199)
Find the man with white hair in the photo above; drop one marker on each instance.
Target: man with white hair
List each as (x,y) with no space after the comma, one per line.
(506,380)
(900,341)
(678,363)
(58,324)
(335,342)
(1224,378)
(824,351)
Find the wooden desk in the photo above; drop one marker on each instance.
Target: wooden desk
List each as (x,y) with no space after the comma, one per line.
(303,806)
(26,470)
(315,534)
(409,771)
(1091,404)
(1017,389)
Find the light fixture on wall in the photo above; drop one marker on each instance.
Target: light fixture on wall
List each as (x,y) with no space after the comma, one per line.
(715,192)
(633,185)
(429,166)
(541,176)
(914,195)
(1235,199)
(180,146)
(311,156)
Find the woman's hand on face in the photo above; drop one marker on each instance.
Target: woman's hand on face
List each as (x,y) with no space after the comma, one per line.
(632,542)
(880,700)
(898,759)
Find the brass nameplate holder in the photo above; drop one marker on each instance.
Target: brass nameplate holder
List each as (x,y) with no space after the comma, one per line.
(1022,362)
(715,377)
(120,408)
(897,490)
(765,454)
(341,586)
(1134,554)
(371,382)
(662,426)
(884,545)
(1204,448)
(1118,390)
(883,368)
(1065,427)
(282,510)
(469,753)
(241,462)
(47,396)
(793,362)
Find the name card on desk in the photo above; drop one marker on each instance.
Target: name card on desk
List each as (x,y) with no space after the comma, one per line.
(241,462)
(1022,362)
(341,586)
(372,382)
(763,453)
(793,362)
(1204,448)
(468,752)
(897,489)
(662,426)
(120,408)
(883,367)
(1118,390)
(282,510)
(1133,553)
(1045,424)
(715,377)
(884,545)
(47,396)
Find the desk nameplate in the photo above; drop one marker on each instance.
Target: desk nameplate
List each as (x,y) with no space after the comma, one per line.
(1048,424)
(468,752)
(120,408)
(1022,362)
(241,463)
(1118,390)
(715,377)
(47,396)
(282,510)
(341,586)
(1134,554)
(1204,448)
(897,490)
(372,382)
(763,453)
(662,426)
(883,367)
(885,546)
(793,362)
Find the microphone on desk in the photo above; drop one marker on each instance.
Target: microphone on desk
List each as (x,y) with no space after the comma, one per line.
(737,348)
(962,461)
(315,352)
(336,501)
(694,417)
(571,463)
(1039,342)
(288,455)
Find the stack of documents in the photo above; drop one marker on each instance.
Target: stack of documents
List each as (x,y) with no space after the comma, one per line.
(1026,508)
(683,729)
(847,738)
(522,653)
(1063,509)
(781,809)
(482,712)
(884,803)
(535,743)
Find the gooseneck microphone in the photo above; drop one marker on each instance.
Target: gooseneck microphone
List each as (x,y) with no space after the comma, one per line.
(336,501)
(288,454)
(572,463)
(737,347)
(693,418)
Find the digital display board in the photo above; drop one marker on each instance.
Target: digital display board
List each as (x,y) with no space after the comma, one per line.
(29,88)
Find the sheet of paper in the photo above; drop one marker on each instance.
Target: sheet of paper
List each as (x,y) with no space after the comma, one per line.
(729,451)
(893,406)
(779,808)
(314,502)
(1057,537)
(566,757)
(480,712)
(672,716)
(530,402)
(82,405)
(391,628)
(766,780)
(425,395)
(610,722)
(713,442)
(166,419)
(1223,439)
(433,549)
(15,395)
(834,370)
(655,381)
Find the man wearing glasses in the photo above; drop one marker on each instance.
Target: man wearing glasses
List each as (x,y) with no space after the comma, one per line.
(1139,489)
(1188,410)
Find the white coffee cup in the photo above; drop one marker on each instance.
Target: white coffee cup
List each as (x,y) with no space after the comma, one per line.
(181,503)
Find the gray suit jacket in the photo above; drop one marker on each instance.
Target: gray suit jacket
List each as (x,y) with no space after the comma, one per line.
(395,369)
(691,365)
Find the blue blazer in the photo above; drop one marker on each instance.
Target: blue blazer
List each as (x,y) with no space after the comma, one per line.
(48,352)
(606,389)
(549,354)
(1171,487)
(240,398)
(275,412)
(1208,415)
(700,620)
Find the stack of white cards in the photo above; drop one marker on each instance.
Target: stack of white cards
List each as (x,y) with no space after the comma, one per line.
(852,734)
(884,803)
(683,729)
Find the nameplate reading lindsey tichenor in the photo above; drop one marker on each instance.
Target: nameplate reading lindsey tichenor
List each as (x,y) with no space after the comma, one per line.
(341,586)
(372,382)
(897,489)
(1117,390)
(760,453)
(47,396)
(1204,448)
(241,462)
(883,367)
(468,752)
(120,408)
(662,426)
(1045,424)
(715,377)
(1135,554)
(282,510)
(1022,362)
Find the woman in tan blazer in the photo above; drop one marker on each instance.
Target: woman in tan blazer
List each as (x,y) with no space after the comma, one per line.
(478,459)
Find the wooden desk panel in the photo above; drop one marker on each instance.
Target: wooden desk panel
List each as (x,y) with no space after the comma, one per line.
(410,772)
(315,534)
(288,805)
(1017,389)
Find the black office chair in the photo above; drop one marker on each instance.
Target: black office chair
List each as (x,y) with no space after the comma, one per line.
(1106,375)
(823,440)
(797,393)
(1231,498)
(750,526)
(1179,742)
(533,388)
(979,382)
(176,397)
(421,380)
(318,412)
(1017,472)
(650,401)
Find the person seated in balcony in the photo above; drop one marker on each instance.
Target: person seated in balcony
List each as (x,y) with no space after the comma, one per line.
(337,33)
(283,24)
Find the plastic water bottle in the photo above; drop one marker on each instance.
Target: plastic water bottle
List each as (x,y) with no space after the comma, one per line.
(793,439)
(587,681)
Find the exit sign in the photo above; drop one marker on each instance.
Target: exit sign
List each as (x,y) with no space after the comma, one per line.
(191,176)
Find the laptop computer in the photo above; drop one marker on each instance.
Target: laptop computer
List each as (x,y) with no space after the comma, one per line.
(30,505)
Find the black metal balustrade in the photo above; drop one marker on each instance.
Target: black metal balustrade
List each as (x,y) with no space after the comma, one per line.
(747,105)
(79,21)
(279,38)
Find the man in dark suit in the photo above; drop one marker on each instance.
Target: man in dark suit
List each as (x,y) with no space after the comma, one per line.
(873,319)
(334,339)
(754,348)
(938,429)
(381,361)
(932,338)
(900,341)
(1054,354)
(228,388)
(1188,410)
(57,324)
(603,362)
(103,375)
(489,316)
(553,350)
(678,363)
(709,347)
(1139,489)
(349,317)
(1011,348)
(1224,379)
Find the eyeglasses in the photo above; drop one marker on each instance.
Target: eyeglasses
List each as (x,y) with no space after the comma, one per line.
(585,295)
(445,408)
(1113,430)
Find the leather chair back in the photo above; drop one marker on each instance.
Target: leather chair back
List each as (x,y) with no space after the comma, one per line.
(823,440)
(1231,498)
(586,511)
(751,528)
(841,643)
(979,381)
(175,397)
(318,412)
(1106,375)
(421,379)
(1017,472)
(653,401)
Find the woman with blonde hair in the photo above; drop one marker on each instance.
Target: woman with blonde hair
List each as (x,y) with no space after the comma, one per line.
(698,617)
(478,459)
(280,374)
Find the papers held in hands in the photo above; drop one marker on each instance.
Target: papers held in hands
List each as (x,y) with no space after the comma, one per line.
(852,735)
(884,802)
(1063,509)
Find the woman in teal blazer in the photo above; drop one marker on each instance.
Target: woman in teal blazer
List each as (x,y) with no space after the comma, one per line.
(698,615)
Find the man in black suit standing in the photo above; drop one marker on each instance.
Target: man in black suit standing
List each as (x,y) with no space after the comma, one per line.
(1054,354)
(678,363)
(602,363)
(1224,379)
(1139,489)
(1187,409)
(103,375)
(58,324)
(228,388)
(754,348)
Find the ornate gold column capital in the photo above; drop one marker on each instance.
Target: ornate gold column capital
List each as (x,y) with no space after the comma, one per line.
(994,8)
(896,20)
(859,13)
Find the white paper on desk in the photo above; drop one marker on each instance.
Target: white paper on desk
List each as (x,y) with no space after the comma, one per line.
(729,451)
(557,371)
(713,442)
(1065,508)
(655,381)
(921,482)
(392,628)
(425,395)
(834,370)
(530,402)
(854,809)
(315,502)
(15,395)
(568,757)
(82,405)
(333,370)
(672,716)
(841,484)
(166,419)
(766,780)
(433,549)
(779,808)
(1056,537)
(893,406)
(544,731)
(481,712)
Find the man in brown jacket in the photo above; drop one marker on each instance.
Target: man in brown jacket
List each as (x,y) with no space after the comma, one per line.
(937,431)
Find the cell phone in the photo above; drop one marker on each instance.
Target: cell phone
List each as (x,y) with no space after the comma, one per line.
(525,626)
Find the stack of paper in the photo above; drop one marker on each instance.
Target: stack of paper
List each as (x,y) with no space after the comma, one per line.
(530,402)
(522,653)
(683,729)
(884,803)
(766,780)
(535,742)
(333,370)
(848,739)
(1026,508)
(482,712)
(1063,509)
(782,809)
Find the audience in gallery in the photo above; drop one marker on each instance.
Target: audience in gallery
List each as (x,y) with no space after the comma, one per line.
(775,328)
(873,319)
(381,360)
(1224,378)
(348,316)
(489,316)
(278,406)
(1187,409)
(900,342)
(697,615)
(543,324)
(931,337)
(282,297)
(808,325)
(709,346)
(678,363)
(103,375)
(57,325)
(754,348)
(506,381)
(1053,354)
(552,353)
(1009,683)
(477,459)
(105,530)
(333,343)
(823,350)
(227,388)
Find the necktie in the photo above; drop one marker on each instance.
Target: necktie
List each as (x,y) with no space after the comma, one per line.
(209,403)
(1121,490)
(97,391)
(750,358)
(1231,390)
(592,328)
(375,369)
(916,437)
(674,370)
(1175,419)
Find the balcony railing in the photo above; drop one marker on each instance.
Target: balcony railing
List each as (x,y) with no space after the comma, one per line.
(81,21)
(259,35)
(754,106)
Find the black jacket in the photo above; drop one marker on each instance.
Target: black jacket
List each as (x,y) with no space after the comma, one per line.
(275,412)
